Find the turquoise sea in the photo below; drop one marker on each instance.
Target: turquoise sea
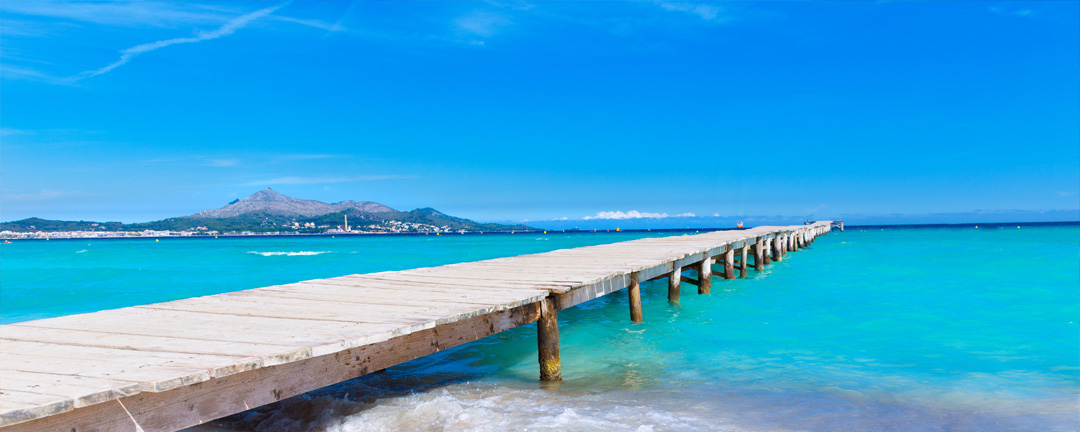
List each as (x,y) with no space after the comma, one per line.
(894,328)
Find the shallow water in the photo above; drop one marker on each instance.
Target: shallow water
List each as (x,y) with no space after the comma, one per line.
(895,329)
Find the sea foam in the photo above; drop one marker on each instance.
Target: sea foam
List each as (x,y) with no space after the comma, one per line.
(301,253)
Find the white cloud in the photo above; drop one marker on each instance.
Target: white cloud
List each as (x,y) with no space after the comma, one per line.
(229,28)
(323,180)
(482,23)
(222,163)
(46,194)
(335,27)
(296,157)
(10,131)
(704,11)
(1023,13)
(136,14)
(716,214)
(17,72)
(634,214)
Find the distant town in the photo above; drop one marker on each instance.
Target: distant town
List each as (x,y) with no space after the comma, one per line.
(391,227)
(264,213)
(309,228)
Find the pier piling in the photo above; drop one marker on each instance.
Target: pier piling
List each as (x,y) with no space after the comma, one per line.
(766,255)
(776,244)
(705,276)
(673,283)
(759,265)
(742,263)
(729,264)
(634,289)
(547,341)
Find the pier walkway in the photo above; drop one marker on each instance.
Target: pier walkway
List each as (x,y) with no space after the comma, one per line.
(168,366)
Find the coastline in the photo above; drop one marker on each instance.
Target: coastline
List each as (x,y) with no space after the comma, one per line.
(53,236)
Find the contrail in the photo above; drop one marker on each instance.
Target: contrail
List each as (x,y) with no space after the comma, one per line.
(225,30)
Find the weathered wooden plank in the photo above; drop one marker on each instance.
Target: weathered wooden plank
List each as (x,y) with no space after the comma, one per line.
(17,406)
(320,336)
(152,370)
(199,403)
(82,391)
(269,353)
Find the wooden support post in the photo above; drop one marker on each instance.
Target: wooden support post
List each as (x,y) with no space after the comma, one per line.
(794,242)
(777,244)
(766,254)
(705,276)
(635,299)
(742,264)
(729,264)
(547,341)
(673,284)
(759,255)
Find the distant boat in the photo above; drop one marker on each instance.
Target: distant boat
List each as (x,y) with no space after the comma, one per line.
(738,225)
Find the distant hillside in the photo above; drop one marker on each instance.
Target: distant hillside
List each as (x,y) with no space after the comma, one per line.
(270,202)
(270,211)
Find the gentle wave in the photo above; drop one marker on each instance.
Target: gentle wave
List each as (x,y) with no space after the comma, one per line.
(84,250)
(481,407)
(301,253)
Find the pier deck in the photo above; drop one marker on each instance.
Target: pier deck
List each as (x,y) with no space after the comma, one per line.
(167,366)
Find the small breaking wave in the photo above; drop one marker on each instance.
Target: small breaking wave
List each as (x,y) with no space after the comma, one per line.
(84,250)
(301,253)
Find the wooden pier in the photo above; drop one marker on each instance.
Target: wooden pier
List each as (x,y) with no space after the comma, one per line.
(168,366)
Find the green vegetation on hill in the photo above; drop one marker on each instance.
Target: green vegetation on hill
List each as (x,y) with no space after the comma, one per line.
(266,223)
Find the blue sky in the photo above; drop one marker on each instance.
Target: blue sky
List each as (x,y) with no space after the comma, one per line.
(511,111)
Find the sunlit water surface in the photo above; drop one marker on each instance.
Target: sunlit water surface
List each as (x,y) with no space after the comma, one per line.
(912,329)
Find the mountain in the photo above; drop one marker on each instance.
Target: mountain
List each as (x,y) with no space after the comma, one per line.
(270,211)
(270,202)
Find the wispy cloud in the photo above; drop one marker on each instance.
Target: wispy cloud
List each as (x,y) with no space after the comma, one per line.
(10,71)
(1022,13)
(229,28)
(323,180)
(335,27)
(296,157)
(10,131)
(122,13)
(704,11)
(223,163)
(482,23)
(43,195)
(634,214)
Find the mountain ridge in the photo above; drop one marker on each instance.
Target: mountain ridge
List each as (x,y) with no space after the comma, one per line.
(269,201)
(270,211)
